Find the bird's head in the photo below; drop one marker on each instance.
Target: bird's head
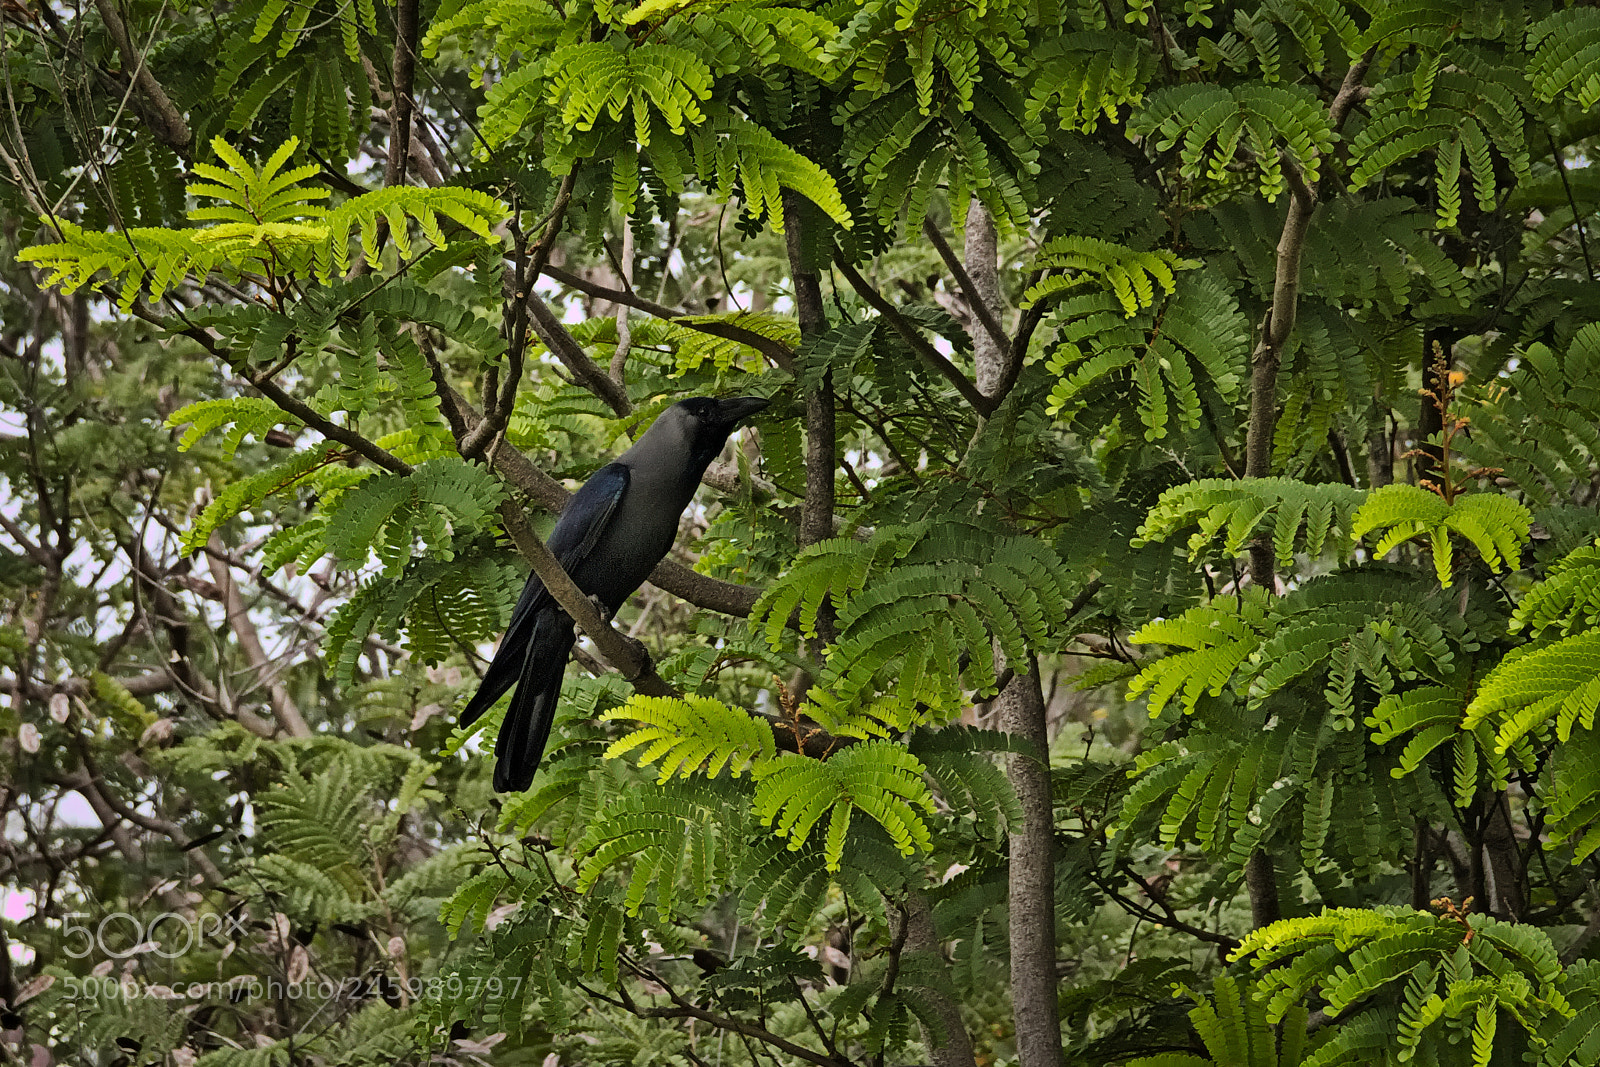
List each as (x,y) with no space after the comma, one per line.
(720,415)
(699,427)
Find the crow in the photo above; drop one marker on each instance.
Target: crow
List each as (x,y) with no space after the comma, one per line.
(610,536)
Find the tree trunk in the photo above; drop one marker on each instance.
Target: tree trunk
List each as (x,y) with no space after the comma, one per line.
(1032,889)
(953,1048)
(1020,708)
(816,513)
(983,267)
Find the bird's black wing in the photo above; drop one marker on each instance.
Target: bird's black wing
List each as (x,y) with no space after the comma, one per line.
(582,522)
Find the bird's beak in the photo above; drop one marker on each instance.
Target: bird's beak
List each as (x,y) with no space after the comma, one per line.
(740,407)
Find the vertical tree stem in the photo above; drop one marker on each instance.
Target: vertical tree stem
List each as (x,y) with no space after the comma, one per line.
(1032,877)
(990,348)
(816,514)
(1260,880)
(953,1048)
(401,107)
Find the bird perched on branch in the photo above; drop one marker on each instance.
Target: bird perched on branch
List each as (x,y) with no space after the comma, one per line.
(611,535)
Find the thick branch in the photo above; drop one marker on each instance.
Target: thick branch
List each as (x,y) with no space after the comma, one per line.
(822,446)
(976,296)
(566,348)
(953,1048)
(1032,875)
(919,344)
(91,783)
(166,122)
(402,104)
(1279,324)
(1260,878)
(142,685)
(33,551)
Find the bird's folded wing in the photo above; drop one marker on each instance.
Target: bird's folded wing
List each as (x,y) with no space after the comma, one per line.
(583,521)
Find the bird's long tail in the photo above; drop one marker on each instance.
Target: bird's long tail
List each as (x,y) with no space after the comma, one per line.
(526,728)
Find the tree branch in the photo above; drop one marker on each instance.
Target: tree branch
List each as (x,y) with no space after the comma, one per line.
(272,391)
(975,297)
(402,102)
(1032,874)
(955,1050)
(565,348)
(1260,878)
(624,653)
(1279,323)
(166,122)
(777,351)
(932,356)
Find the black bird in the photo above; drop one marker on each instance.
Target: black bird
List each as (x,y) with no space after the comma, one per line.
(611,535)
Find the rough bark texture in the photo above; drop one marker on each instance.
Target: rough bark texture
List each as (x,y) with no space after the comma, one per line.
(983,268)
(1020,709)
(1033,879)
(402,105)
(1505,890)
(953,1048)
(1279,324)
(1261,882)
(816,514)
(161,115)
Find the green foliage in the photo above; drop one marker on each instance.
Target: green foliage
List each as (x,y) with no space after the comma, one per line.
(1569,596)
(1437,978)
(1186,359)
(252,491)
(1233,1026)
(806,857)
(1494,525)
(1525,692)
(386,512)
(877,778)
(1539,425)
(695,734)
(918,611)
(1459,115)
(248,416)
(1128,274)
(1211,126)
(266,222)
(1298,513)
(1375,622)
(675,841)
(1566,46)
(1090,77)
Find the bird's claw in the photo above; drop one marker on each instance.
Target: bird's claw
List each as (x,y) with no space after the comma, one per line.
(600,608)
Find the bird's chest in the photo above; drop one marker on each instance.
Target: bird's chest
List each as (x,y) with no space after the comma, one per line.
(638,536)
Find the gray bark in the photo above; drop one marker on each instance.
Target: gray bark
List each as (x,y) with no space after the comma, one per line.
(983,267)
(953,1048)
(1032,890)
